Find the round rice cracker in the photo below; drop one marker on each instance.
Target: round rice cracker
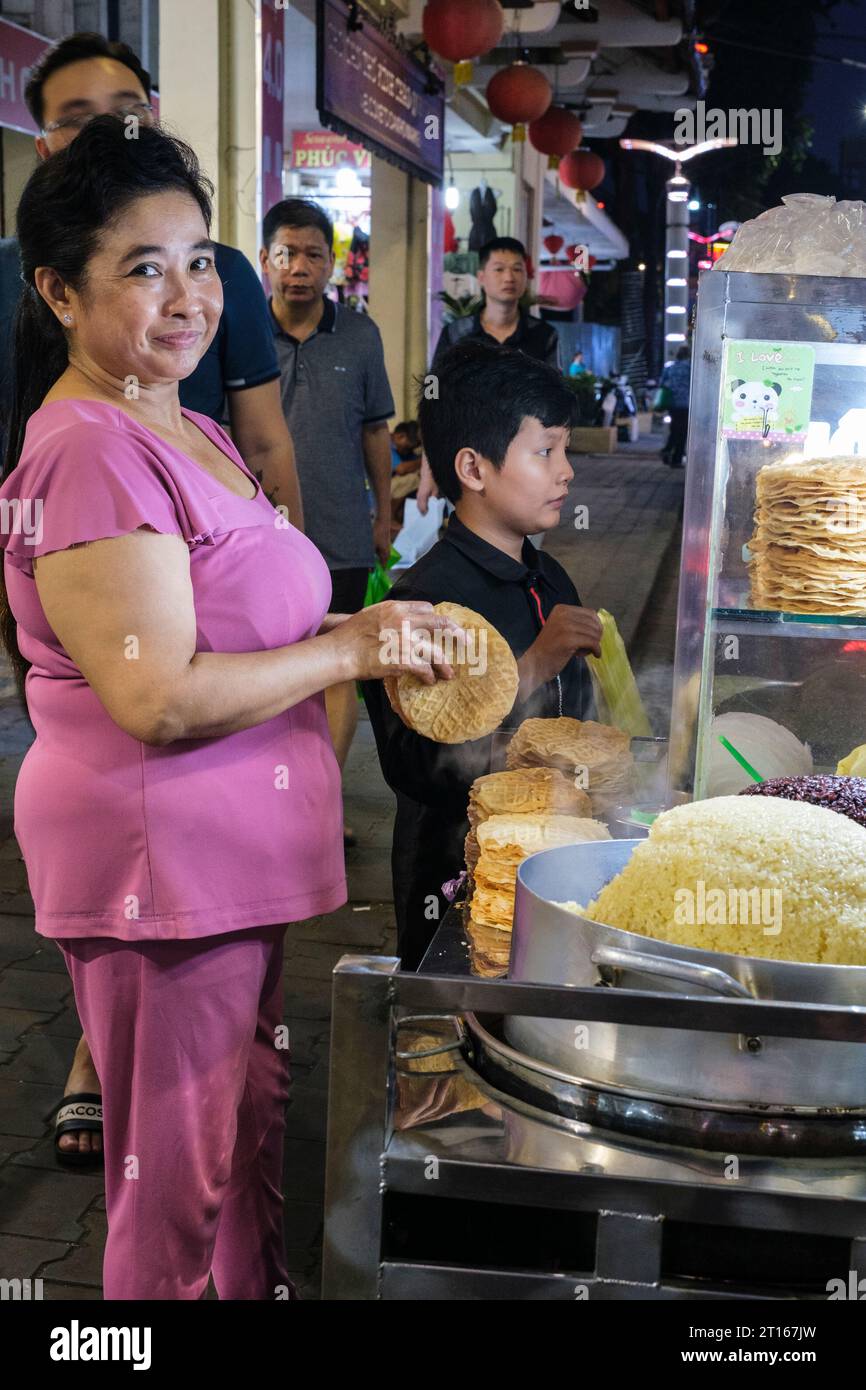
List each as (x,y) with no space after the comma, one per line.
(475,701)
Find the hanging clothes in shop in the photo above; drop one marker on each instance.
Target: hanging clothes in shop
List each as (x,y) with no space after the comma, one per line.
(358,259)
(482,210)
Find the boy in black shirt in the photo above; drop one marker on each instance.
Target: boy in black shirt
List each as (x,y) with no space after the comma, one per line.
(496,437)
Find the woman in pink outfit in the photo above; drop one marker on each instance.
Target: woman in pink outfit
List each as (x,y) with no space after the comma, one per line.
(181,801)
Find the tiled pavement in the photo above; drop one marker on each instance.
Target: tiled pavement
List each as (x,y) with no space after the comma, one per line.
(52,1220)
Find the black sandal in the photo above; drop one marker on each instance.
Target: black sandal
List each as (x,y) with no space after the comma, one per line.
(81,1110)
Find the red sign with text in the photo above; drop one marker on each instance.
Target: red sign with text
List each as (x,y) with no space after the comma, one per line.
(321,149)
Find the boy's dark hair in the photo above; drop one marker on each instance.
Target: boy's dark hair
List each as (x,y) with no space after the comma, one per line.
(76,49)
(500,243)
(483,395)
(410,429)
(297,212)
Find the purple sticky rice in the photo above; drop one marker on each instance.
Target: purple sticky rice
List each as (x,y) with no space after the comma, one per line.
(847,795)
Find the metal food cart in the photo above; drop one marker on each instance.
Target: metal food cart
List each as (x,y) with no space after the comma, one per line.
(477,1182)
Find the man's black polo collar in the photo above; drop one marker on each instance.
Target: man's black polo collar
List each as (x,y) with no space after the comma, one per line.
(489,557)
(327,323)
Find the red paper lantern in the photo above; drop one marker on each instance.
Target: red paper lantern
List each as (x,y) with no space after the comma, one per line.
(461,29)
(518,94)
(581,169)
(566,291)
(554,244)
(556,132)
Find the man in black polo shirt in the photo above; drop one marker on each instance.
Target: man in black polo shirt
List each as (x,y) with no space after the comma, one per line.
(496,439)
(503,277)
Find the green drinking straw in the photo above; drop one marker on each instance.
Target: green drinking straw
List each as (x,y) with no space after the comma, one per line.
(747,767)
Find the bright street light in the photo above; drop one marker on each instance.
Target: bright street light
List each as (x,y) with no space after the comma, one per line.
(678,204)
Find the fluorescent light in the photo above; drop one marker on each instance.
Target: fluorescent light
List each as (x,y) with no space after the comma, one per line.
(678,282)
(675,337)
(675,309)
(452,197)
(347,182)
(677,255)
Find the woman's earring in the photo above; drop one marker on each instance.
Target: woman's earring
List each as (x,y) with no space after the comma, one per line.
(67,318)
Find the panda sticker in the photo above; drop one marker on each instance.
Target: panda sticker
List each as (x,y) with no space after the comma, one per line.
(755,400)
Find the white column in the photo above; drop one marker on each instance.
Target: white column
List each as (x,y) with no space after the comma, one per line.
(190,41)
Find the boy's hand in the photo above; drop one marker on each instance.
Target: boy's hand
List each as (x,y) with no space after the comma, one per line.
(569,631)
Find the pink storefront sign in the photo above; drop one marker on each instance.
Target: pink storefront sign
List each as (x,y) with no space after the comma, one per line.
(272,101)
(20,50)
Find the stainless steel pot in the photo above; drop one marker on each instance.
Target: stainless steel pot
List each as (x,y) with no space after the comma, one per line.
(551,945)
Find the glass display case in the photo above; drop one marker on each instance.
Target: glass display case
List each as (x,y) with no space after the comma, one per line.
(778,370)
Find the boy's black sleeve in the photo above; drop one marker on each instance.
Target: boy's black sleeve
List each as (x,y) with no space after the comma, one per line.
(434,774)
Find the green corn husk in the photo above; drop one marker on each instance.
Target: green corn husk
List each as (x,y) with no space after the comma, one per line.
(616,693)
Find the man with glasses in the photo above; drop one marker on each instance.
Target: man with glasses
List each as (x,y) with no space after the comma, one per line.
(84,76)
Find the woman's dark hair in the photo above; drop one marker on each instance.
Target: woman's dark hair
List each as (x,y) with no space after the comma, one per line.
(477,397)
(67,203)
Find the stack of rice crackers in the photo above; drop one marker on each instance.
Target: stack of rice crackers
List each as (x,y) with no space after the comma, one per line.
(514,814)
(809,547)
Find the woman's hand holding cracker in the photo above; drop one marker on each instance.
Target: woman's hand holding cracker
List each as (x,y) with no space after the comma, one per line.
(393,637)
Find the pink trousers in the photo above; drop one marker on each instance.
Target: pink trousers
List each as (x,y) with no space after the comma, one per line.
(184,1039)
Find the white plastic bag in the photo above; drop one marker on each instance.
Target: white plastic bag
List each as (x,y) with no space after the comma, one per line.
(807,235)
(419,533)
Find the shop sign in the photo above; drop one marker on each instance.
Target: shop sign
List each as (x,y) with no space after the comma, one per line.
(322,150)
(20,50)
(370,91)
(436,278)
(272,60)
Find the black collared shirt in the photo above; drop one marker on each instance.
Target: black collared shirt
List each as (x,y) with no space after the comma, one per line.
(532,336)
(512,595)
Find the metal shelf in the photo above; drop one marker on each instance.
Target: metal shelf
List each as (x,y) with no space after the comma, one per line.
(744,621)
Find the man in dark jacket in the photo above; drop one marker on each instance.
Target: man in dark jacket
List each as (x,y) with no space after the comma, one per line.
(502,274)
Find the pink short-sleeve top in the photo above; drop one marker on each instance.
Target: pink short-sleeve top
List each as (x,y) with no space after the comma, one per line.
(200,836)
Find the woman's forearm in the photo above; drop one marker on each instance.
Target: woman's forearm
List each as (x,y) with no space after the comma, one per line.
(225,692)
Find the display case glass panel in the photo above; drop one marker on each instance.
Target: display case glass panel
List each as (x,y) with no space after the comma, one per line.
(779,370)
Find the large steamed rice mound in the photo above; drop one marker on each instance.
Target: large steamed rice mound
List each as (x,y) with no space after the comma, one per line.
(808,865)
